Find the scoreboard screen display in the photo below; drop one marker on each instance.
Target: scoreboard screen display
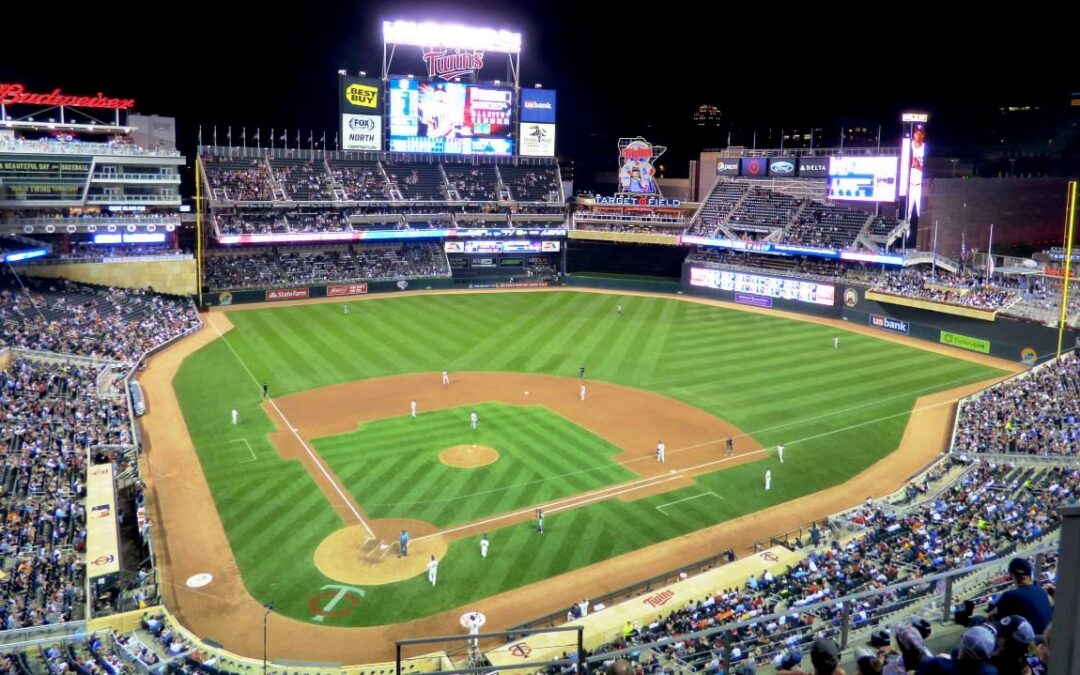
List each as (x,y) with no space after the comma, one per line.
(450,118)
(771,287)
(863,179)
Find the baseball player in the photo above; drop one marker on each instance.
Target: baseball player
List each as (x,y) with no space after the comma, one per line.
(473,420)
(234,414)
(432,569)
(484,544)
(729,447)
(412,408)
(540,520)
(768,479)
(660,451)
(403,543)
(618,309)
(581,373)
(582,392)
(473,623)
(266,391)
(345,307)
(836,343)
(446,377)
(780,451)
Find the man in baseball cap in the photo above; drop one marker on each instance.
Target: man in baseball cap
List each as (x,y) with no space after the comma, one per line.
(971,657)
(1027,599)
(825,655)
(1014,638)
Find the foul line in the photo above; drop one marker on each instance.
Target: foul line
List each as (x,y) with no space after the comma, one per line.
(634,485)
(296,433)
(686,499)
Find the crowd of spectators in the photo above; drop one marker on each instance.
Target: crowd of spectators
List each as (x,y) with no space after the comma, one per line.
(362,181)
(1040,300)
(238,179)
(944,288)
(65,317)
(1036,413)
(473,184)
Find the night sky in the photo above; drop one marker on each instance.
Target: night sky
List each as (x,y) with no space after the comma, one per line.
(617,72)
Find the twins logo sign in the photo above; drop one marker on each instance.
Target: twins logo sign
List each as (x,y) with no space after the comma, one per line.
(889,324)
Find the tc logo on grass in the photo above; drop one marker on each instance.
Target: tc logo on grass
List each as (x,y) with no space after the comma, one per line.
(350,595)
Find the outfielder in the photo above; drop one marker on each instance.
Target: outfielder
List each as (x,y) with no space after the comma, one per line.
(234,417)
(484,544)
(445,377)
(780,451)
(345,307)
(473,420)
(660,451)
(768,479)
(412,407)
(618,309)
(432,569)
(836,343)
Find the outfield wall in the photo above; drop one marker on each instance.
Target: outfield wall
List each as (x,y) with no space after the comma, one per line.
(345,290)
(174,275)
(1006,338)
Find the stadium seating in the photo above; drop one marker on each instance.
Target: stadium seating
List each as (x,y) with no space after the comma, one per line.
(417,181)
(826,225)
(963,290)
(304,180)
(718,206)
(530,183)
(361,180)
(765,208)
(473,183)
(252,222)
(238,179)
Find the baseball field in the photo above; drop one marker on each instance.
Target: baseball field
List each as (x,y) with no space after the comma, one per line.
(314,484)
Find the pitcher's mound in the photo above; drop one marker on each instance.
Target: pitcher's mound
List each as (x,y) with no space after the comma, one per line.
(352,556)
(468,456)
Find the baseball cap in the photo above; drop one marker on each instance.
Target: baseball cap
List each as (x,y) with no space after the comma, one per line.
(1015,628)
(790,659)
(1021,566)
(864,653)
(825,654)
(880,638)
(978,643)
(922,625)
(908,639)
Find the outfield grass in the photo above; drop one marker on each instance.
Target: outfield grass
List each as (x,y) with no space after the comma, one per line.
(779,380)
(391,467)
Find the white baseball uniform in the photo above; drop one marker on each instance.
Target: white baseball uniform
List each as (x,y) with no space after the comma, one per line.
(412,407)
(836,343)
(582,392)
(473,419)
(234,415)
(446,377)
(432,570)
(484,543)
(780,451)
(768,479)
(345,308)
(660,452)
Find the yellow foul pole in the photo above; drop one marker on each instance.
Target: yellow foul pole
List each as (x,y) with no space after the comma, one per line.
(1070,214)
(198,232)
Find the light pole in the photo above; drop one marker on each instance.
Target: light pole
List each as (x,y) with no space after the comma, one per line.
(269,607)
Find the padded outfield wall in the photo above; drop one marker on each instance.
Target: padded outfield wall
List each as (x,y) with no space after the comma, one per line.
(1007,338)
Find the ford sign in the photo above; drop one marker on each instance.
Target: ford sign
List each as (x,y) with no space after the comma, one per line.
(781,168)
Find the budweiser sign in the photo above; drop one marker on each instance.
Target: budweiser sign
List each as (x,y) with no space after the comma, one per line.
(349,289)
(14,94)
(448,66)
(287,294)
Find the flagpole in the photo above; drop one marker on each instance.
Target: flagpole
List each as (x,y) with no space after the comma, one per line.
(935,250)
(1071,222)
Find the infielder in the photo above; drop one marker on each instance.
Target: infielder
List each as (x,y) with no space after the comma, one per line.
(446,377)
(432,569)
(768,479)
(403,543)
(581,373)
(780,451)
(484,544)
(540,520)
(582,392)
(474,627)
(660,451)
(266,391)
(836,343)
(729,447)
(412,407)
(473,420)
(234,417)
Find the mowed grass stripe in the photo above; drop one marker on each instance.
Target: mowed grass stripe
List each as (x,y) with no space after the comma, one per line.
(756,371)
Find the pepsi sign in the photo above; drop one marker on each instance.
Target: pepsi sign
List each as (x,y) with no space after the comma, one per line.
(727,167)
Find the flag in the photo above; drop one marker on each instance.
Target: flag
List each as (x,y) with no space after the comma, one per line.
(963,247)
(256,136)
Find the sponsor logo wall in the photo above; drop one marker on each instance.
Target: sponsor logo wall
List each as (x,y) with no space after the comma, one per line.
(754,167)
(360,100)
(287,294)
(889,324)
(782,167)
(965,342)
(346,289)
(727,167)
(537,140)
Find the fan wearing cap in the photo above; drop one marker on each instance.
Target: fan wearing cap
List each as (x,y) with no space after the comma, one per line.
(1014,639)
(868,661)
(1027,599)
(970,658)
(825,655)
